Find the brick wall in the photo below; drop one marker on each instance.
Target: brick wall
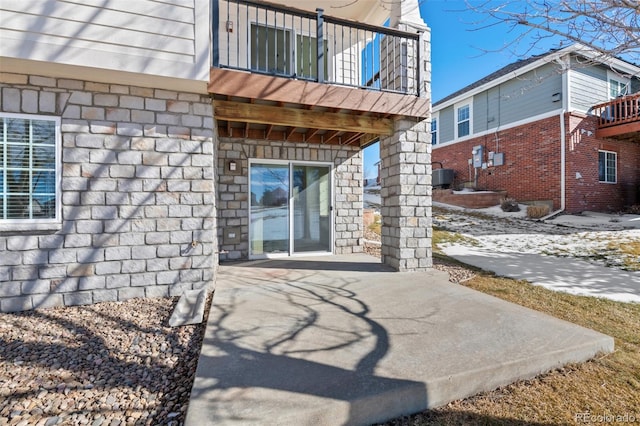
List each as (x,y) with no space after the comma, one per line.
(138,211)
(532,164)
(531,170)
(584,191)
(233,189)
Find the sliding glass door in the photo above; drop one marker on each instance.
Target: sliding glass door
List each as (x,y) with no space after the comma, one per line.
(290,208)
(312,208)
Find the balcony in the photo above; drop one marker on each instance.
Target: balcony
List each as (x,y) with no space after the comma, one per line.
(619,118)
(295,75)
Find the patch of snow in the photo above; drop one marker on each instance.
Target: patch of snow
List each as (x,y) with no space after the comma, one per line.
(598,220)
(572,253)
(472,191)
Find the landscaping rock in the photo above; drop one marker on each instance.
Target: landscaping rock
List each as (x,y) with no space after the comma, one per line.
(111,363)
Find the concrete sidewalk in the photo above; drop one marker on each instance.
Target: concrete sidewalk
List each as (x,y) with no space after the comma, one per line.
(568,275)
(342,340)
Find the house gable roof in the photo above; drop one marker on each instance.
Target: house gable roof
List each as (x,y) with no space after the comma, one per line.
(524,65)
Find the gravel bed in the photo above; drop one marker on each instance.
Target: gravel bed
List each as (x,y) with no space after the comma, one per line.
(116,363)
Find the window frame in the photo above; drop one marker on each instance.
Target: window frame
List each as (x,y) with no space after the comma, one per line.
(615,165)
(434,129)
(620,81)
(469,104)
(39,224)
(293,38)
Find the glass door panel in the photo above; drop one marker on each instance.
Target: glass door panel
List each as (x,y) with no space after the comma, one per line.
(311,208)
(269,209)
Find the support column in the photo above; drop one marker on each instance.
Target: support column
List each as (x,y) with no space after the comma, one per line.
(406,197)
(406,159)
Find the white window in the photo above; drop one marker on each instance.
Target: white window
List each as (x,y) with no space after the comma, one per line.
(29,170)
(434,130)
(271,50)
(607,166)
(618,86)
(463,120)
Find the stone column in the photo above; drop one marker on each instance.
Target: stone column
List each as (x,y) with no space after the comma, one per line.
(406,197)
(406,161)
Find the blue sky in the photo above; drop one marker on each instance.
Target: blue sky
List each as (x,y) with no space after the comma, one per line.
(461,52)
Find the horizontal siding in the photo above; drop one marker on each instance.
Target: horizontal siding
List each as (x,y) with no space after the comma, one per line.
(162,37)
(587,86)
(518,99)
(529,95)
(446,123)
(74,33)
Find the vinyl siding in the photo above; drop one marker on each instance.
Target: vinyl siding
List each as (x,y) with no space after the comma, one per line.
(587,86)
(529,95)
(446,125)
(157,37)
(518,99)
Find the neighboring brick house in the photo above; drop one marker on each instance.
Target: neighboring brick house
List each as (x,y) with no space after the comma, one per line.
(561,128)
(143,141)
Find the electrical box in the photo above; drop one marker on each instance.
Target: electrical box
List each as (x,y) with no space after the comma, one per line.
(231,235)
(498,159)
(478,155)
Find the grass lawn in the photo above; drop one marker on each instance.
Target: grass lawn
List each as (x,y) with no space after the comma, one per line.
(606,386)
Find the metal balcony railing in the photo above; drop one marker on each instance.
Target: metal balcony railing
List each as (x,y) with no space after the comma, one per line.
(285,42)
(618,111)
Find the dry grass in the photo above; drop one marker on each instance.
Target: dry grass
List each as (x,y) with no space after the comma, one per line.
(630,251)
(536,212)
(607,385)
(440,236)
(376,227)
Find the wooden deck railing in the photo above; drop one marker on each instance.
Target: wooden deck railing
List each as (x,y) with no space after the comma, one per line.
(277,40)
(618,111)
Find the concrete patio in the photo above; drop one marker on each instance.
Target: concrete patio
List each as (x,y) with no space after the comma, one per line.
(343,340)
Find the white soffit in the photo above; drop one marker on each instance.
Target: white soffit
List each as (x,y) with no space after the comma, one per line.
(374,12)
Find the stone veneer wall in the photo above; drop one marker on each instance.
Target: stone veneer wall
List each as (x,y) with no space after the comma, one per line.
(233,189)
(138,202)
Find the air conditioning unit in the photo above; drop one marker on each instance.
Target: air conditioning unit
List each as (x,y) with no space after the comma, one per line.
(442,178)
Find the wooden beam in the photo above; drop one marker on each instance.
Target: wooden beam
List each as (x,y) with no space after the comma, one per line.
(367,139)
(277,89)
(277,136)
(351,139)
(619,130)
(311,133)
(295,117)
(289,133)
(328,137)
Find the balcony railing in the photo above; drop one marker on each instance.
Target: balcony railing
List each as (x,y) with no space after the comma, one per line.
(285,42)
(618,111)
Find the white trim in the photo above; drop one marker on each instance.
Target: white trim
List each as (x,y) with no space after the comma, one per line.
(501,128)
(9,225)
(605,171)
(290,207)
(467,102)
(435,117)
(575,48)
(619,79)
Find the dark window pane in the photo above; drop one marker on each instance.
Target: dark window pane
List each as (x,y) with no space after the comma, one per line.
(601,166)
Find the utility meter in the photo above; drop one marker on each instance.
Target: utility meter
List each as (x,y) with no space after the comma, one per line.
(477,153)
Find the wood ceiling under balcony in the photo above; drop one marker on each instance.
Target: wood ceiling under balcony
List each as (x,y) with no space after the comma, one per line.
(256,106)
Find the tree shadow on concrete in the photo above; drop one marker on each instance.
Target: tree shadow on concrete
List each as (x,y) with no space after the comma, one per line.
(310,337)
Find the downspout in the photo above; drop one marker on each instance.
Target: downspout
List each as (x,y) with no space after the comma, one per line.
(563,165)
(566,102)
